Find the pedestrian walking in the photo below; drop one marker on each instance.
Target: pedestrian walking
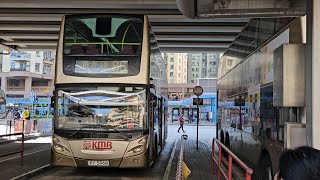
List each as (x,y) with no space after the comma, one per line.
(181,121)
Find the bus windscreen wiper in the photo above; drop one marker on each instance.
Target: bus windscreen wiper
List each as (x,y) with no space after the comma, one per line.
(85,126)
(128,136)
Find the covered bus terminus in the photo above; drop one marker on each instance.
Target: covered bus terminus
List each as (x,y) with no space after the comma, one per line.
(112,111)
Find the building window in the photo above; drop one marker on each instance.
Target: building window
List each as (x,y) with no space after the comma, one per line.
(14,82)
(13,65)
(179,75)
(47,55)
(192,81)
(46,69)
(171,66)
(37,69)
(171,60)
(39,83)
(38,53)
(171,74)
(179,67)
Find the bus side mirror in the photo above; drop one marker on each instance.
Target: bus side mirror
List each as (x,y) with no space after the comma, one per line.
(52,101)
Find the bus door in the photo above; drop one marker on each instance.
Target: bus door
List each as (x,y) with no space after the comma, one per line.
(161,122)
(153,125)
(165,120)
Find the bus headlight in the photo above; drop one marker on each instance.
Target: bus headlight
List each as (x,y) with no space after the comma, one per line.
(136,149)
(137,146)
(61,146)
(142,141)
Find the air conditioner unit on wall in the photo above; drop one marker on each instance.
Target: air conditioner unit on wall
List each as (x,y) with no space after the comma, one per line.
(294,135)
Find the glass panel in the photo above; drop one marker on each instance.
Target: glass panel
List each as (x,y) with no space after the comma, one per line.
(111,107)
(102,46)
(120,36)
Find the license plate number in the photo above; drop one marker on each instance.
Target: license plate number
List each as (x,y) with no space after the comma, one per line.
(98,163)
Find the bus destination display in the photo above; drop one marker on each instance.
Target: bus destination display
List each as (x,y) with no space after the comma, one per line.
(101,67)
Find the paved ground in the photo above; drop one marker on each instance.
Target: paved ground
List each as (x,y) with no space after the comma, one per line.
(197,160)
(38,155)
(35,156)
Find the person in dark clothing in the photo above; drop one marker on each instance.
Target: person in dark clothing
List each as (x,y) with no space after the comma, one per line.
(302,163)
(181,121)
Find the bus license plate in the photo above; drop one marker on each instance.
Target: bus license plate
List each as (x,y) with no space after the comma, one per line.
(98,163)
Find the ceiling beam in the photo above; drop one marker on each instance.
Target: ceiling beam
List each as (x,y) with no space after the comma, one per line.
(193,44)
(29,27)
(194,37)
(88,11)
(186,29)
(96,4)
(28,36)
(31,17)
(181,18)
(193,49)
(31,43)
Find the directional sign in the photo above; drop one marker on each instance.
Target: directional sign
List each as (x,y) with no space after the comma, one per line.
(239,102)
(197,101)
(198,90)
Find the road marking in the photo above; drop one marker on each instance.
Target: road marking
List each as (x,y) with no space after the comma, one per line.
(168,169)
(24,155)
(32,173)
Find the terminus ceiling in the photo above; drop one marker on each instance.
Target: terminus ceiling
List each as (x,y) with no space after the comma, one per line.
(34,24)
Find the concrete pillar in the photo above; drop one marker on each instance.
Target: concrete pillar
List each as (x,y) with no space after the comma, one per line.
(4,83)
(28,83)
(313,73)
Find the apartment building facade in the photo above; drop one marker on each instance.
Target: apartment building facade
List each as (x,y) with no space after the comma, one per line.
(177,67)
(202,65)
(26,73)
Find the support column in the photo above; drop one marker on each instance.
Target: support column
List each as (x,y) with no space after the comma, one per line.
(4,84)
(313,73)
(27,87)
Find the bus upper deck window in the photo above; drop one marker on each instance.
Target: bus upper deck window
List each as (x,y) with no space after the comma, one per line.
(103,26)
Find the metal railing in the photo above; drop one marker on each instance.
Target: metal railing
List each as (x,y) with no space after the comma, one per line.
(179,175)
(21,151)
(231,157)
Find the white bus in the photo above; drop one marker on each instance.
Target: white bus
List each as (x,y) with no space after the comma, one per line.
(261,94)
(108,67)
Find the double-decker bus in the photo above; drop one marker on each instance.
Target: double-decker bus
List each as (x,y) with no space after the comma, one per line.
(110,106)
(252,121)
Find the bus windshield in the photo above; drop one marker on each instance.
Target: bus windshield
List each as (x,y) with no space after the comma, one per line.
(113,107)
(102,45)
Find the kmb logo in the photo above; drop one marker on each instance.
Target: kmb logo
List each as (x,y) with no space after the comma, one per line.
(97,145)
